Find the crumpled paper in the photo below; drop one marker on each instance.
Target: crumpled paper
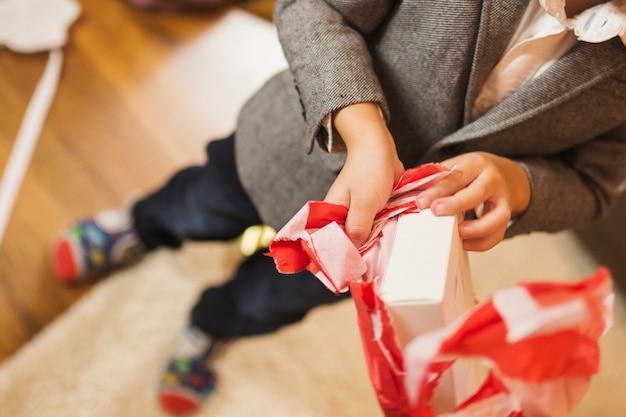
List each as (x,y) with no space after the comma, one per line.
(539,339)
(596,24)
(29,26)
(314,238)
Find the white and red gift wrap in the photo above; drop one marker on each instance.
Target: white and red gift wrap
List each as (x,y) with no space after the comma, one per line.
(539,340)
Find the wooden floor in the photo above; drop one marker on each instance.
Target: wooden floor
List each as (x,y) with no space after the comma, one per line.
(140,94)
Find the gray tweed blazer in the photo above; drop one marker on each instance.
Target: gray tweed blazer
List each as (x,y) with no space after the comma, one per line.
(424,62)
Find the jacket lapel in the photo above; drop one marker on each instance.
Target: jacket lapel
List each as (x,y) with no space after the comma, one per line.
(499,20)
(585,65)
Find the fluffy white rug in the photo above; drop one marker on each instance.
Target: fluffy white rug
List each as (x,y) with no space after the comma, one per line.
(104,355)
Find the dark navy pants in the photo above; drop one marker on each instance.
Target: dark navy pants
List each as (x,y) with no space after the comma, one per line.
(207,202)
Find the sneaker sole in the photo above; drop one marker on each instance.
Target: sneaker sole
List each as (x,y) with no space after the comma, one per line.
(65,262)
(178,402)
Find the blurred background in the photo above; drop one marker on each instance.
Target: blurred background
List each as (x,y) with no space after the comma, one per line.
(140,94)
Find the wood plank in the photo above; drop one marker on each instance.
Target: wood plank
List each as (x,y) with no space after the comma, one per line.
(139,96)
(94,150)
(15,329)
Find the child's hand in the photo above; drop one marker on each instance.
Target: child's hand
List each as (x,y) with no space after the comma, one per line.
(371,169)
(364,186)
(496,188)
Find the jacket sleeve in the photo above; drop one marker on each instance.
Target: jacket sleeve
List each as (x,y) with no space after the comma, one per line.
(324,44)
(575,187)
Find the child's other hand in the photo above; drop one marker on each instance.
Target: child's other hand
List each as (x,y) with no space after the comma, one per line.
(371,169)
(364,186)
(496,188)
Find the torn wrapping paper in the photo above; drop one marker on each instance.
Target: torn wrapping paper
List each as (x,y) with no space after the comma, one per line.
(315,240)
(539,340)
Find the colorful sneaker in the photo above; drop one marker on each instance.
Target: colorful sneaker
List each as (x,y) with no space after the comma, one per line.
(187,381)
(95,246)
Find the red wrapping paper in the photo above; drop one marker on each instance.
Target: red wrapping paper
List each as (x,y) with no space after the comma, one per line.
(539,339)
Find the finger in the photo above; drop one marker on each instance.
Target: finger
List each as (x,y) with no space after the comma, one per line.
(449,185)
(481,244)
(465,199)
(484,233)
(359,221)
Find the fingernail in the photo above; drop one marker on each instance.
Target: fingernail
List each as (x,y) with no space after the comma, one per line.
(422,203)
(437,209)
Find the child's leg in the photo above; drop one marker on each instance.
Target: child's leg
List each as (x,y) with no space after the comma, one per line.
(208,203)
(203,202)
(188,379)
(257,300)
(198,203)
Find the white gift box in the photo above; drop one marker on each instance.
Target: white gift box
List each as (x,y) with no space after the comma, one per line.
(426,286)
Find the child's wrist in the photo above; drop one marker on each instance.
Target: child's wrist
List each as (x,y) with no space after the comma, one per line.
(362,124)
